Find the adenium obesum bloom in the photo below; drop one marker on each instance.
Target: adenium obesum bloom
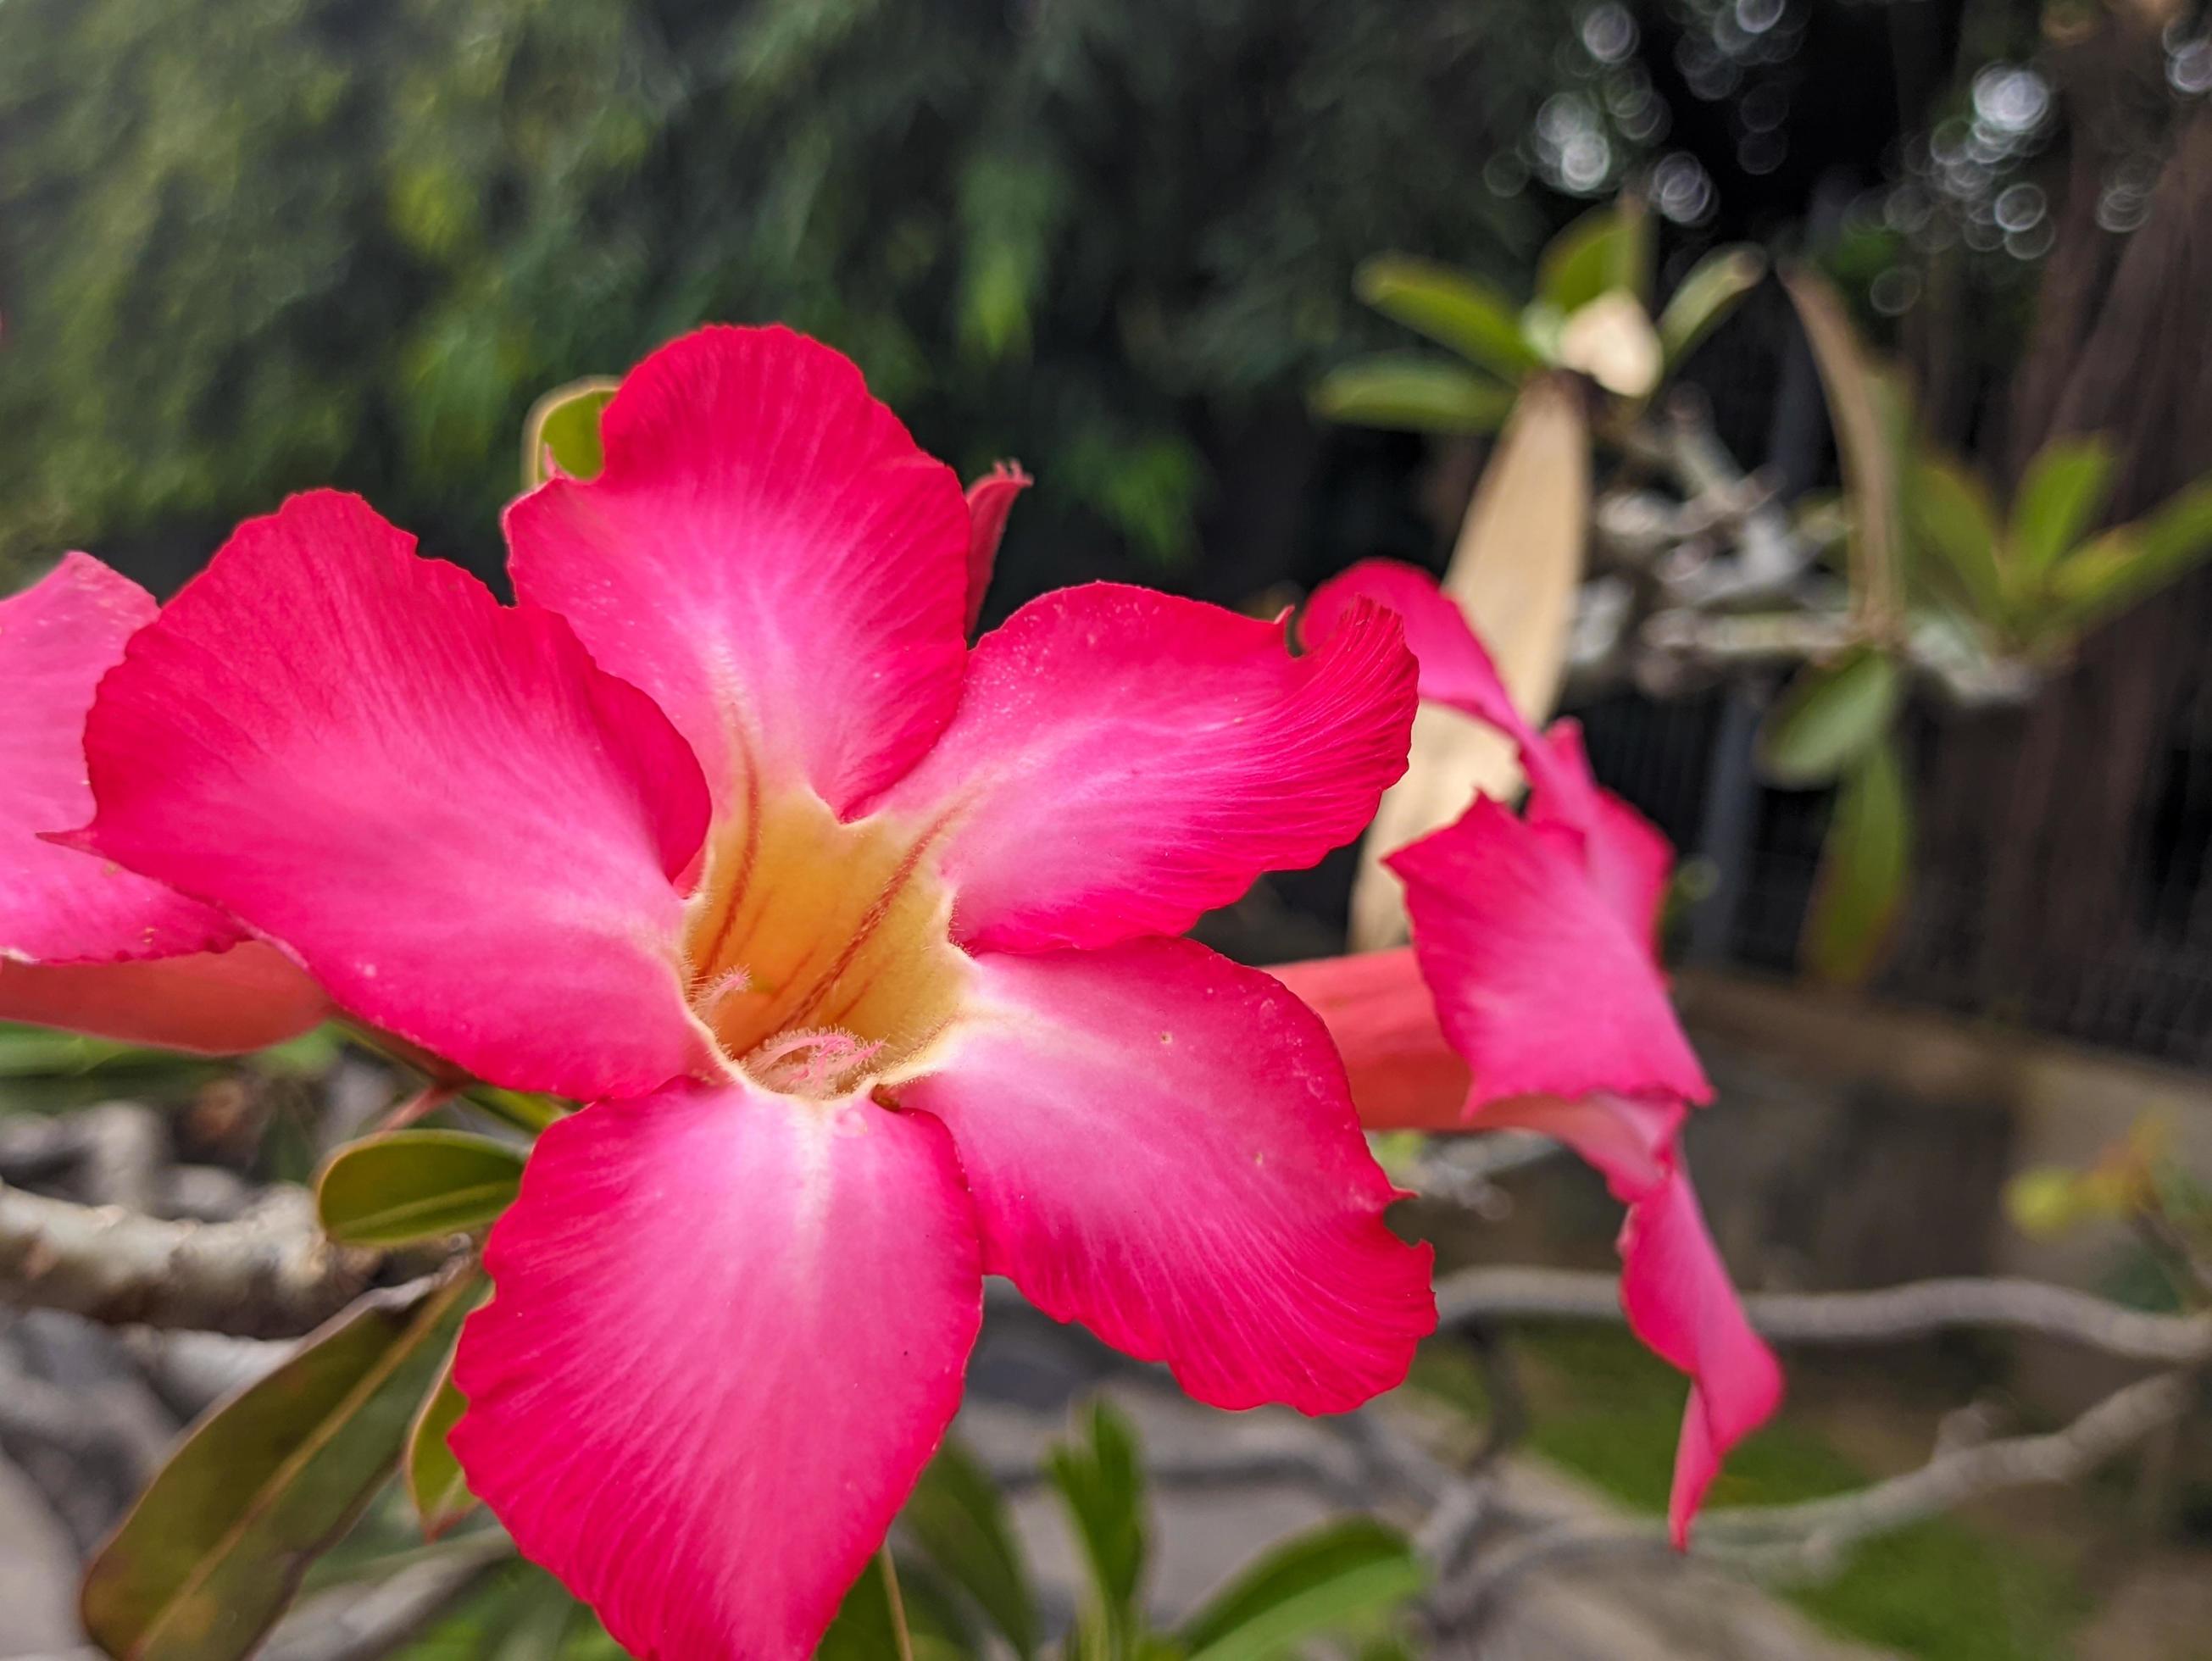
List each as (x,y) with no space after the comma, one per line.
(1532,998)
(84,944)
(862,942)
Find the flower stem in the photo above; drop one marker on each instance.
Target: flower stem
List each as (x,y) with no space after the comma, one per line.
(897,1606)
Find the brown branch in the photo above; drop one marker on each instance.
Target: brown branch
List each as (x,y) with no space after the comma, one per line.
(1811,1533)
(269,1274)
(1890,1315)
(1810,1538)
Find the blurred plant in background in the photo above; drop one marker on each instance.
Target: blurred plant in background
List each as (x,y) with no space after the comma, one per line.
(1915,579)
(259,244)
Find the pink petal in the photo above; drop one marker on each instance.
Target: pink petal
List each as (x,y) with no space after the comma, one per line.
(1676,1291)
(1123,760)
(769,555)
(1160,1146)
(1629,863)
(990,500)
(729,1330)
(460,826)
(1630,1140)
(217,1003)
(1456,669)
(1539,984)
(1404,1075)
(58,905)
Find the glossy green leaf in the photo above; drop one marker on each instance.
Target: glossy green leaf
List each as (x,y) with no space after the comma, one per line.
(1831,715)
(1607,248)
(1864,412)
(1863,868)
(1411,392)
(214,1548)
(410,1185)
(434,1482)
(563,432)
(1102,1484)
(1452,308)
(959,1519)
(1952,517)
(1704,298)
(1319,1582)
(2127,564)
(2065,488)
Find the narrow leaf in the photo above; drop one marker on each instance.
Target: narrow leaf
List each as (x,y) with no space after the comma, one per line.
(959,1519)
(1606,248)
(521,1109)
(1863,867)
(1099,1482)
(1952,517)
(561,432)
(1411,392)
(1452,308)
(1830,717)
(437,1487)
(1316,1583)
(269,1480)
(1857,407)
(2064,490)
(410,1185)
(1706,296)
(2136,560)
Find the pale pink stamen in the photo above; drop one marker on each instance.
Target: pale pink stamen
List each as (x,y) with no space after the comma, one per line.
(820,1061)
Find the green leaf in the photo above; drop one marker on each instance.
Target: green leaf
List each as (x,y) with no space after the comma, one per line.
(2065,488)
(873,1624)
(1830,716)
(1316,1583)
(437,1487)
(959,1519)
(524,1110)
(2124,565)
(1606,248)
(214,1548)
(1411,392)
(410,1185)
(1953,516)
(563,432)
(1706,296)
(1452,308)
(1861,885)
(1102,1486)
(536,1625)
(867,1628)
(1865,415)
(939,1620)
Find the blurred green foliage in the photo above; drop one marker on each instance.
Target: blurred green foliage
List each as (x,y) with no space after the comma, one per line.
(248,246)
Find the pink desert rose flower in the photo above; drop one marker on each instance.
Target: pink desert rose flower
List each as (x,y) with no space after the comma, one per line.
(85,944)
(1532,998)
(861,941)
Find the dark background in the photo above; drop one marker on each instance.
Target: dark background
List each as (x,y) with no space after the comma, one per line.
(248,246)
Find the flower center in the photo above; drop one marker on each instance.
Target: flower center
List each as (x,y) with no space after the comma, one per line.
(817,953)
